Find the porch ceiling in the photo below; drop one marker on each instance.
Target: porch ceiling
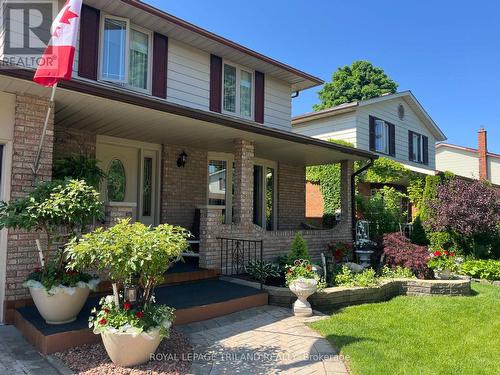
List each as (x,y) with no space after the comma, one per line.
(119,118)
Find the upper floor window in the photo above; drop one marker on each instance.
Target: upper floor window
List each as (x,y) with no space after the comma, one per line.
(125,53)
(381,136)
(237,91)
(418,147)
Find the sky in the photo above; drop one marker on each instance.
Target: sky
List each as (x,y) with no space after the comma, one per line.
(446,52)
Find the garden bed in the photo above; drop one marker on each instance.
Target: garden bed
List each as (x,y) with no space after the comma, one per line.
(337,297)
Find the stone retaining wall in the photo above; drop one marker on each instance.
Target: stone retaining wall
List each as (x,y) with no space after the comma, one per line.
(337,297)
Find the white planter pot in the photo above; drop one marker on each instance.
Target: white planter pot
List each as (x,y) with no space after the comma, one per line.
(442,274)
(60,307)
(127,349)
(303,288)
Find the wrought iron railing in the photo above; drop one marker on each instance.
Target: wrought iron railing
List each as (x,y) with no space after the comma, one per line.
(236,253)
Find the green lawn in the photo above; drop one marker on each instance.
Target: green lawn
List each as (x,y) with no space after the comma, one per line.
(420,335)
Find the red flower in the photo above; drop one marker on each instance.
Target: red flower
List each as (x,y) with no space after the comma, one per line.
(103,321)
(127,306)
(437,253)
(139,314)
(446,252)
(452,254)
(106,310)
(309,267)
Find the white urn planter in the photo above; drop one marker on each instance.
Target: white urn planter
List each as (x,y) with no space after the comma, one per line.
(127,349)
(364,257)
(303,288)
(59,305)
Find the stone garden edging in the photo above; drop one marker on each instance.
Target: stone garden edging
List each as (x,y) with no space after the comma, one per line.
(337,297)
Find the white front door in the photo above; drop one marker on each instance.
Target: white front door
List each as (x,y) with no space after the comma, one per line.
(132,176)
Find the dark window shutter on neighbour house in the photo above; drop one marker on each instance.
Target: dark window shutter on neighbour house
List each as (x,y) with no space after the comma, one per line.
(425,147)
(392,139)
(372,133)
(259,97)
(160,53)
(88,52)
(410,145)
(215,83)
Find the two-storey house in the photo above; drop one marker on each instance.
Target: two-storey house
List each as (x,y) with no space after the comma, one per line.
(194,128)
(395,126)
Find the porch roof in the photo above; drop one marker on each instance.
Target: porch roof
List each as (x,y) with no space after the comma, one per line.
(115,112)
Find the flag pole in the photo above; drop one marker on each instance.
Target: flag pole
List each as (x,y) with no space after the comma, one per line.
(36,165)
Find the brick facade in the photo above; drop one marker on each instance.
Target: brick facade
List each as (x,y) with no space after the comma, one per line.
(243,181)
(73,141)
(291,196)
(22,255)
(314,201)
(182,189)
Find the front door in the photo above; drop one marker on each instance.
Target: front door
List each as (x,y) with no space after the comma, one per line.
(131,176)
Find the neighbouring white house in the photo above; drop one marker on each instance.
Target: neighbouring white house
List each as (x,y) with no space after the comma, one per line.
(395,126)
(469,162)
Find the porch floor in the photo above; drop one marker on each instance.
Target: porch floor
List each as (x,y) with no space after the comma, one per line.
(193,301)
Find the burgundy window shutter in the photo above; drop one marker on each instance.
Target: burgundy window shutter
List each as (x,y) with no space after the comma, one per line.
(259,97)
(160,53)
(410,145)
(215,83)
(392,139)
(426,149)
(88,52)
(372,133)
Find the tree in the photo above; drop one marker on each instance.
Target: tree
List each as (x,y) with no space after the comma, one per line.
(467,210)
(298,250)
(360,81)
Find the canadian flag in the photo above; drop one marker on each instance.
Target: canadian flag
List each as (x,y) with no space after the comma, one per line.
(56,62)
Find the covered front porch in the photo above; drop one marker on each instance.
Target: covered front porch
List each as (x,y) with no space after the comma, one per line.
(228,179)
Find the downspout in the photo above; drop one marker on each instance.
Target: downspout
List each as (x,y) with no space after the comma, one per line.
(353,195)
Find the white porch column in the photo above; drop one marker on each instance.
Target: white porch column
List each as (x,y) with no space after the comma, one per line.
(243,181)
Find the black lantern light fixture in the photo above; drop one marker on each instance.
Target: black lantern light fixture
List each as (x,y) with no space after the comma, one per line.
(181,160)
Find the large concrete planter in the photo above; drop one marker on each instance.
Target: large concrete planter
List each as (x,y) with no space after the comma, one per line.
(61,306)
(303,288)
(128,349)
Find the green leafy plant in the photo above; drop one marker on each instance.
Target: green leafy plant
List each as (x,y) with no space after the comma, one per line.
(298,250)
(303,269)
(79,167)
(130,318)
(55,208)
(441,240)
(443,260)
(130,253)
(345,277)
(397,272)
(487,269)
(260,271)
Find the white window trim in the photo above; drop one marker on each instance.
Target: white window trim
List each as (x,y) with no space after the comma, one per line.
(229,159)
(125,82)
(239,68)
(274,165)
(387,135)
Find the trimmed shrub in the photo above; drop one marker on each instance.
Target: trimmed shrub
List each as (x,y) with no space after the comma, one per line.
(399,251)
(298,250)
(418,235)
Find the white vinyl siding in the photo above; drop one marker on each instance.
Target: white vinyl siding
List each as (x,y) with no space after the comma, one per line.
(494,169)
(277,104)
(461,162)
(188,77)
(388,111)
(341,127)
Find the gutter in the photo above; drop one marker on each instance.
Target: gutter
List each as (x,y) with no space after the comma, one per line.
(353,195)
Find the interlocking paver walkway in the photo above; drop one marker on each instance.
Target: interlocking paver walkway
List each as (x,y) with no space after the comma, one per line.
(262,340)
(17,357)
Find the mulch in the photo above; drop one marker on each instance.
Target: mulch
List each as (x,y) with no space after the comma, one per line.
(172,358)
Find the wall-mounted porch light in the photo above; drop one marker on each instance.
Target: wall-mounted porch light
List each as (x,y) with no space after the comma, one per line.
(181,160)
